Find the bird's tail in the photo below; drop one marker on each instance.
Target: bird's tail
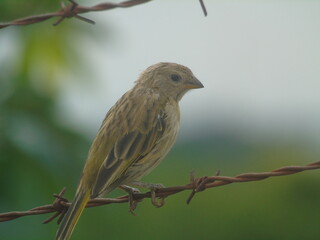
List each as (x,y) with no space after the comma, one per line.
(72,216)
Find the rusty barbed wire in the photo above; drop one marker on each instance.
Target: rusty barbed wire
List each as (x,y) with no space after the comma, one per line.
(60,204)
(74,9)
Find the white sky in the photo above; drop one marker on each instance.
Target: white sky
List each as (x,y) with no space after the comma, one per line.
(259,61)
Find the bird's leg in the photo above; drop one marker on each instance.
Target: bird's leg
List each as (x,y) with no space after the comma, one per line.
(147,185)
(153,188)
(131,191)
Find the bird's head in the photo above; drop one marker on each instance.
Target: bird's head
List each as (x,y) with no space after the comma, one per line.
(171,79)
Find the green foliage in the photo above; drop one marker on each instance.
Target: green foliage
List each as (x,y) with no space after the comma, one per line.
(12,9)
(39,155)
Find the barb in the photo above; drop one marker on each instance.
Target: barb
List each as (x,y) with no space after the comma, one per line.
(203,8)
(74,9)
(60,205)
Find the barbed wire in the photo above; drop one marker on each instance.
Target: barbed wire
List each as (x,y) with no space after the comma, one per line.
(74,9)
(157,196)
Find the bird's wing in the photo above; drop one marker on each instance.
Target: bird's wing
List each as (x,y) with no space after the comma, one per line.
(143,124)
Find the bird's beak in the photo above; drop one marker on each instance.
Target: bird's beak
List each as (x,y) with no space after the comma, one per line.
(194,83)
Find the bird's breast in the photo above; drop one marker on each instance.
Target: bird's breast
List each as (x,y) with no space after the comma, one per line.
(171,125)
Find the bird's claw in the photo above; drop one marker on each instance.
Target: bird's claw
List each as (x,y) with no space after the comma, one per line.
(154,200)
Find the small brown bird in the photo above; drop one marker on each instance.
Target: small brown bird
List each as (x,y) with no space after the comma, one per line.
(137,132)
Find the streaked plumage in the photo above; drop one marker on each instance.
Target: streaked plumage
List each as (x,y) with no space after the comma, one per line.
(137,132)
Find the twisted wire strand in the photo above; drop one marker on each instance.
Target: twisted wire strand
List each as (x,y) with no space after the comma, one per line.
(61,204)
(74,9)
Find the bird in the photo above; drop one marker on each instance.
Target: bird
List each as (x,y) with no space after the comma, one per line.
(135,135)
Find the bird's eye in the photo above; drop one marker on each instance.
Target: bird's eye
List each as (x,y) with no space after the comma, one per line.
(175,77)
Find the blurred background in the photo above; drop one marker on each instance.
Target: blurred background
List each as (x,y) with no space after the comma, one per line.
(259,61)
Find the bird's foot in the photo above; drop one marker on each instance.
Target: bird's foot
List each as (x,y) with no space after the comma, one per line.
(154,187)
(133,202)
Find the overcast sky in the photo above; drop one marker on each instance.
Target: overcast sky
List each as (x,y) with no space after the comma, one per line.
(259,62)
